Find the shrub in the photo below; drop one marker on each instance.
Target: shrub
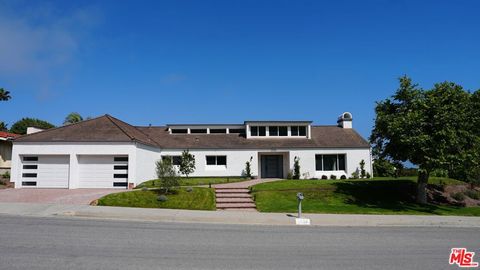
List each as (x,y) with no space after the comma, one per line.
(144,189)
(368,175)
(296,168)
(343,177)
(363,173)
(6,175)
(290,175)
(333,177)
(162,198)
(458,196)
(248,168)
(324,177)
(313,178)
(167,174)
(472,194)
(355,175)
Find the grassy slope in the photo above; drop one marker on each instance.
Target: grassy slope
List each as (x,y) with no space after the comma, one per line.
(195,181)
(376,196)
(198,199)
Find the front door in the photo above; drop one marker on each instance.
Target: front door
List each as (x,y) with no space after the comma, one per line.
(272,166)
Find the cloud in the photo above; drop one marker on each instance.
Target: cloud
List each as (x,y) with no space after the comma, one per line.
(38,40)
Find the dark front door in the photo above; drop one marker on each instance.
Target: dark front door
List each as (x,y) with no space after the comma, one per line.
(272,166)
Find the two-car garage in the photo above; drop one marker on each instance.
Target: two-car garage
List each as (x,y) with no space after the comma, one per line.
(93,171)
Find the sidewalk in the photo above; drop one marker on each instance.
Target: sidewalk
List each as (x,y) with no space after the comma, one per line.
(231,217)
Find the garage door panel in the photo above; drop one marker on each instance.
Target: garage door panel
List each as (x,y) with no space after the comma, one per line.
(100,171)
(49,171)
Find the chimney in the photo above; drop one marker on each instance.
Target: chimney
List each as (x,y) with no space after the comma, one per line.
(345,120)
(31,130)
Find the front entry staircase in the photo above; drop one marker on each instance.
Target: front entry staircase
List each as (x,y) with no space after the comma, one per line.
(234,198)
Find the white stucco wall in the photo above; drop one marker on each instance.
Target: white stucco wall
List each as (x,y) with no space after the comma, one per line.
(73,150)
(353,158)
(145,163)
(236,160)
(142,158)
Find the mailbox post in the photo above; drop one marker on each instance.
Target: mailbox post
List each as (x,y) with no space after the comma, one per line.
(300,198)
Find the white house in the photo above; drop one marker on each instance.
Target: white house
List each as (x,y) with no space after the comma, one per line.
(105,152)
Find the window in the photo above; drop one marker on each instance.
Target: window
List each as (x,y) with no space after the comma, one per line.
(29,183)
(119,184)
(198,130)
(29,175)
(294,130)
(218,130)
(262,131)
(217,160)
(299,131)
(120,167)
(254,131)
(237,130)
(180,131)
(176,160)
(117,159)
(30,167)
(120,175)
(273,131)
(30,158)
(302,131)
(283,131)
(330,162)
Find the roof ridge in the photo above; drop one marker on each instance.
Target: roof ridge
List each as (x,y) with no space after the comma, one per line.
(111,118)
(59,127)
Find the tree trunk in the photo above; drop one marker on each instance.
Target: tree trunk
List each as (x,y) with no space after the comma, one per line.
(422,187)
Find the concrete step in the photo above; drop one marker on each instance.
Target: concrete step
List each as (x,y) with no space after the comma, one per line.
(232,190)
(235,205)
(239,209)
(234,200)
(233,195)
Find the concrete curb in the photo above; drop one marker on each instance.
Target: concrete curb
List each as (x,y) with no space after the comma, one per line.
(232,217)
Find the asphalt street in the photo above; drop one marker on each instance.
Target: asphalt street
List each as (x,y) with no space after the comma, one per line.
(63,243)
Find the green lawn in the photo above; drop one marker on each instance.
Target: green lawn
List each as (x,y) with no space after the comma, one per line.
(375,196)
(198,199)
(195,181)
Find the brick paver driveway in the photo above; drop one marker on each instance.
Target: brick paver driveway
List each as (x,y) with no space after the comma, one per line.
(54,196)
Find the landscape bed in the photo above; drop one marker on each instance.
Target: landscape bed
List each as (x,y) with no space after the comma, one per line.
(360,196)
(197,199)
(194,181)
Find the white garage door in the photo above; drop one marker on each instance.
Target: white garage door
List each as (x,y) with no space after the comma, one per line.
(103,171)
(45,171)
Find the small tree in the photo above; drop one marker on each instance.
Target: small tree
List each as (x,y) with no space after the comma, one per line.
(72,118)
(363,173)
(20,127)
(248,168)
(167,174)
(187,163)
(296,168)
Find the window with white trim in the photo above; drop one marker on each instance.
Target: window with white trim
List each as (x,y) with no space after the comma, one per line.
(335,162)
(216,160)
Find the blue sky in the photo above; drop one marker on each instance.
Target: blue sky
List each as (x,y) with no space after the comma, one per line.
(158,62)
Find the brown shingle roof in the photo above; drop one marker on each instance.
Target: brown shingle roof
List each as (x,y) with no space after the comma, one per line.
(101,129)
(322,137)
(109,129)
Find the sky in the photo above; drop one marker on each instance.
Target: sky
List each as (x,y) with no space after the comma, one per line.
(161,62)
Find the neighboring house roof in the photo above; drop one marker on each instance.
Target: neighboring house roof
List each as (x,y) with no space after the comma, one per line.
(101,129)
(7,135)
(109,129)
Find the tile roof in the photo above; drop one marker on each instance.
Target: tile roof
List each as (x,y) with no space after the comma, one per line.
(109,129)
(7,135)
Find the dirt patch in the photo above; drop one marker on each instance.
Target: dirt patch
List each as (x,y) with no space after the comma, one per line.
(457,195)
